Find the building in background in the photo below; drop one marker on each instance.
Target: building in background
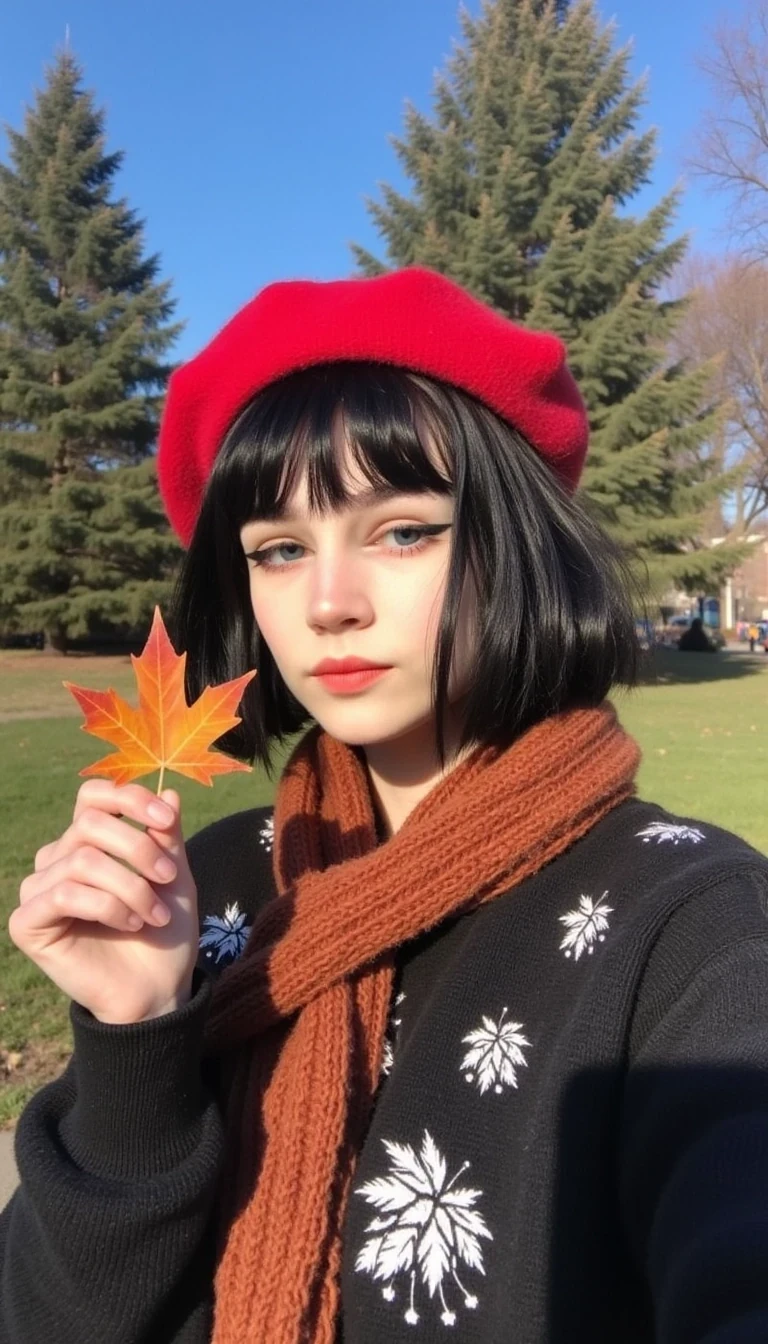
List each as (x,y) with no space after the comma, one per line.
(745,594)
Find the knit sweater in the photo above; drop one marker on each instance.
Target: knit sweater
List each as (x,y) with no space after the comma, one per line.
(569,1142)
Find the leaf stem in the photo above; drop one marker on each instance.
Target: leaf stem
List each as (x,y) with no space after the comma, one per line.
(160,781)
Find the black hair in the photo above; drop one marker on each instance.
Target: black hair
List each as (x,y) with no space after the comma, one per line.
(556,598)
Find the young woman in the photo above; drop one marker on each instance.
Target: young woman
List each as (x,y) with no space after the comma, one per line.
(464,1041)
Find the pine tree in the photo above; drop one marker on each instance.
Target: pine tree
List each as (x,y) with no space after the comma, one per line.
(518,180)
(84,328)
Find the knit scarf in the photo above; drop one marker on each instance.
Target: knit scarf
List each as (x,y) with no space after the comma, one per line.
(299,1020)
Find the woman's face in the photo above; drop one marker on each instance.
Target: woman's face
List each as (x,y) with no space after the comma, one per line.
(367,583)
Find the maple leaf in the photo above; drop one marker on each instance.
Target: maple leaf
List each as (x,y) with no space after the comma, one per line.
(164,733)
(586,926)
(426,1225)
(496,1054)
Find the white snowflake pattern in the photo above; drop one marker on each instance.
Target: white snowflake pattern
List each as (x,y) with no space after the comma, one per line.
(585,926)
(267,833)
(428,1225)
(667,830)
(495,1055)
(226,934)
(390,1040)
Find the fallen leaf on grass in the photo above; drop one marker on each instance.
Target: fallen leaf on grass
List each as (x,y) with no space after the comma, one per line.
(164,733)
(10,1061)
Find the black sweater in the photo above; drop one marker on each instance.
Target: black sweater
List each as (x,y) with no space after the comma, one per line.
(569,1143)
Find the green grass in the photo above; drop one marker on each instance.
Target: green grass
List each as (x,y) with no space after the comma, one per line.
(31,683)
(703,730)
(38,788)
(702,725)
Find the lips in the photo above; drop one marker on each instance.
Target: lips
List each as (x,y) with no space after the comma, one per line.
(340,666)
(350,683)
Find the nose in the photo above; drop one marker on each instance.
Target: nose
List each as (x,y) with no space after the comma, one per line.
(338,595)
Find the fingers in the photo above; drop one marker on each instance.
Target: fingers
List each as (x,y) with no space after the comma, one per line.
(70,900)
(170,839)
(95,800)
(89,867)
(130,800)
(97,830)
(84,862)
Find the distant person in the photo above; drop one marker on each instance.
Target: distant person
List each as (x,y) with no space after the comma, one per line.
(695,639)
(753,637)
(463,1040)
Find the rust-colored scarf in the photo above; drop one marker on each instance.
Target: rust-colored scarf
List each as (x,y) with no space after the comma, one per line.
(300,1018)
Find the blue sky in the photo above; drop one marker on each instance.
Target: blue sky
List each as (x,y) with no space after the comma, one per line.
(253,132)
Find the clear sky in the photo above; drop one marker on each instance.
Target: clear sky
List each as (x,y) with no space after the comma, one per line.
(253,132)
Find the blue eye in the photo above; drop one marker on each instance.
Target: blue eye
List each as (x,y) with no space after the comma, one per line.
(424,533)
(410,546)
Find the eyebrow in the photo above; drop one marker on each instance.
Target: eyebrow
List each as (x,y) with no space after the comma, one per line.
(375,494)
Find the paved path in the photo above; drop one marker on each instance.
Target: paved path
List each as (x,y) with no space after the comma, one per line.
(8,1177)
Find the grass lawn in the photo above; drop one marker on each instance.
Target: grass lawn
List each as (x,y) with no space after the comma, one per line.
(702,723)
(703,730)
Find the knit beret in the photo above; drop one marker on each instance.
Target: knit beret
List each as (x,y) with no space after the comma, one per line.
(413,318)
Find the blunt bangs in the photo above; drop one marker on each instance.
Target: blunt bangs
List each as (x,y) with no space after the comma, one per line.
(556,599)
(294,425)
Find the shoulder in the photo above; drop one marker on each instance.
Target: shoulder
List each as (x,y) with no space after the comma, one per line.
(691,902)
(661,865)
(646,848)
(644,881)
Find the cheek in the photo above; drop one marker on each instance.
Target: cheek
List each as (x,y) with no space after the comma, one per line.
(422,621)
(412,606)
(273,621)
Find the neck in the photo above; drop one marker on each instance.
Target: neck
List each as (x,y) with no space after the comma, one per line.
(403,770)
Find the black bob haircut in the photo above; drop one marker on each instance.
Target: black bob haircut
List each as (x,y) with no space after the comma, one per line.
(556,600)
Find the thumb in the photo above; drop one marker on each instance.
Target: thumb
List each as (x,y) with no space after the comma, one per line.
(170,838)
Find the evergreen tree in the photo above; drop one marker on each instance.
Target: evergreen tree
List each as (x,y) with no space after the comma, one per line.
(84,328)
(100,558)
(518,180)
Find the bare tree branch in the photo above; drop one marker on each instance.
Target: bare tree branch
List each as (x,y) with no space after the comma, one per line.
(731,147)
(727,320)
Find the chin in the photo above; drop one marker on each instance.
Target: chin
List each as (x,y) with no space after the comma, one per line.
(364,726)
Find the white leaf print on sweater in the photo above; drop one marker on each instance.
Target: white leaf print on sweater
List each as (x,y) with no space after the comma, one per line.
(496,1054)
(666,830)
(428,1225)
(267,833)
(586,926)
(390,1040)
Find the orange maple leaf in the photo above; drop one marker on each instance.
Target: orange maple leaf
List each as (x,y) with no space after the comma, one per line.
(164,733)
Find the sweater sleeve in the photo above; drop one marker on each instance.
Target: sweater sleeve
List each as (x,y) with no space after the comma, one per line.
(108,1236)
(694,1147)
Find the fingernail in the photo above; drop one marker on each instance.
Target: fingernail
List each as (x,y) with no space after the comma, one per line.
(165,868)
(134,922)
(160,913)
(159,812)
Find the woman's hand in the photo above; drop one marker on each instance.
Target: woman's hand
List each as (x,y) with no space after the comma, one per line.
(95,927)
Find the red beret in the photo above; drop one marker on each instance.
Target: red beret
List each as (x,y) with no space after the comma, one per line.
(413,318)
